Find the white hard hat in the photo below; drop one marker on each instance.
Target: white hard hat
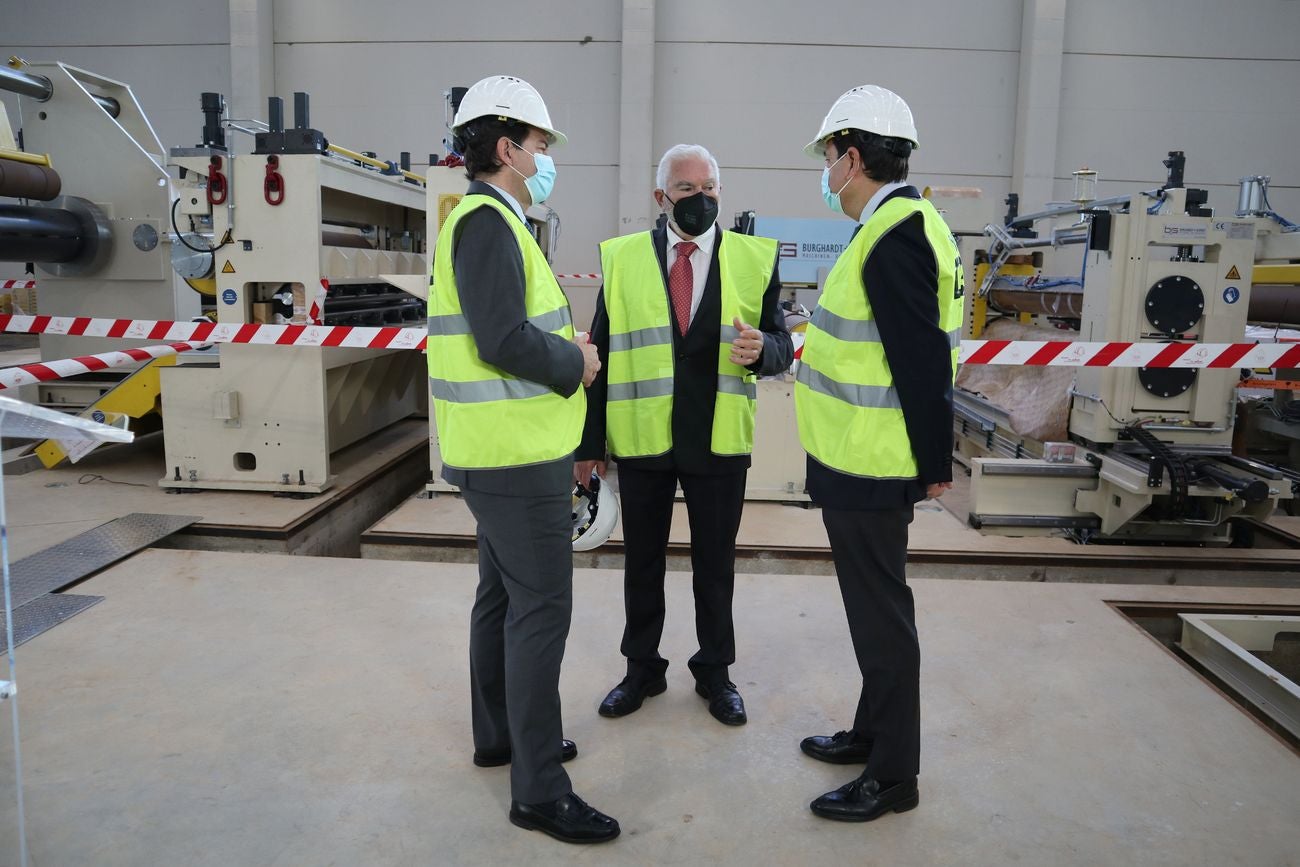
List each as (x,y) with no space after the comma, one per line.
(868,108)
(595,514)
(506,96)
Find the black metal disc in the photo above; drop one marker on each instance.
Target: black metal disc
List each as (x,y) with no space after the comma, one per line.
(1166,381)
(1174,304)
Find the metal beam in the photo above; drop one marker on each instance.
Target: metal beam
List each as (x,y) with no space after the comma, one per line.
(252,60)
(636,116)
(1038,101)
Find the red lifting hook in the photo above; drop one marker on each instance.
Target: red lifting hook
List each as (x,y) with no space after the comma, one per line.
(217,187)
(273,186)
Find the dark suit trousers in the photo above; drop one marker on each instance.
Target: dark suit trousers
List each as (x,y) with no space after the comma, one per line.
(713,507)
(870,552)
(518,628)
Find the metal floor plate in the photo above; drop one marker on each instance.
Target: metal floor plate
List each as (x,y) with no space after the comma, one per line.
(68,562)
(42,613)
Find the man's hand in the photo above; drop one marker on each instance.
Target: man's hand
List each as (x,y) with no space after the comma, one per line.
(582,470)
(935,491)
(748,346)
(590,359)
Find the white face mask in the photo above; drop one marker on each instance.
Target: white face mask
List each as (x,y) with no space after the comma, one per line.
(832,199)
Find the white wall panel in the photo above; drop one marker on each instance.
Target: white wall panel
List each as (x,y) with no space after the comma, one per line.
(586,199)
(790,193)
(1184,28)
(347,21)
(115,22)
(1120,115)
(986,25)
(388,97)
(760,113)
(166,80)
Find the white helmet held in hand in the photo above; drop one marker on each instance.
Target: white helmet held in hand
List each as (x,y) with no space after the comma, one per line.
(870,109)
(595,514)
(506,96)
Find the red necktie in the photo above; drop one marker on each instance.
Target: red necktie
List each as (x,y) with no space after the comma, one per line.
(681,284)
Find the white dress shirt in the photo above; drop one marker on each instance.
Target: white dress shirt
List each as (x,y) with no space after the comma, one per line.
(874,202)
(700,260)
(511,201)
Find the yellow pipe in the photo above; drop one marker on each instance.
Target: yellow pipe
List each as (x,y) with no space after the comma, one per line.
(24,157)
(1275,275)
(368,161)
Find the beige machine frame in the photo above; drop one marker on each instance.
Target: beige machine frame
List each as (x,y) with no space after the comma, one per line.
(268,418)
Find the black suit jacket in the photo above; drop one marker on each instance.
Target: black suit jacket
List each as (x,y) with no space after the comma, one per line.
(695,382)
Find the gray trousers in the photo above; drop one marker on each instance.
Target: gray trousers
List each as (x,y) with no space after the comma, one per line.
(517,632)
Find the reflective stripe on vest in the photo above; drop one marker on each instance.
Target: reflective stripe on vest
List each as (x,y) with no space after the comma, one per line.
(641,364)
(849,415)
(486,418)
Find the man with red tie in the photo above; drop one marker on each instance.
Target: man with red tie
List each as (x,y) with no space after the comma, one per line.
(687,319)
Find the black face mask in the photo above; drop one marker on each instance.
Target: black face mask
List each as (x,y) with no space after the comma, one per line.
(695,214)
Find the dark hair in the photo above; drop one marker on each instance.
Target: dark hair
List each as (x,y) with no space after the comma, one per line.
(477,142)
(884,158)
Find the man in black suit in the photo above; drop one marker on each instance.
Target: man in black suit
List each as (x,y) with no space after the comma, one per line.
(676,406)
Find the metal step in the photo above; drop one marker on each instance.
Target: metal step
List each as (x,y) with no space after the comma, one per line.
(36,580)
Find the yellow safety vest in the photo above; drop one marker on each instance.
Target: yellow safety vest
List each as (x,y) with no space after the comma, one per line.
(639,403)
(486,418)
(847,407)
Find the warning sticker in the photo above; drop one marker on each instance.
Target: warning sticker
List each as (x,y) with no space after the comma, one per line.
(227,268)
(1233,274)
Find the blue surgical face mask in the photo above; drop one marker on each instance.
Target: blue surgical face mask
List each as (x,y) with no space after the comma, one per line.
(832,199)
(541,182)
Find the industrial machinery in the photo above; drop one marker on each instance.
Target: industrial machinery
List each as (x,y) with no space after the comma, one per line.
(92,213)
(303,232)
(1146,452)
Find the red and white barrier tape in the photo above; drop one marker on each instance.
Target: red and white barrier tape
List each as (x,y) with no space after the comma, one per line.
(17,284)
(65,367)
(346,336)
(1064,353)
(1031,353)
(577,276)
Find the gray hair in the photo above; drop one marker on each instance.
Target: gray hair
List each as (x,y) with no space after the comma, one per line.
(682,151)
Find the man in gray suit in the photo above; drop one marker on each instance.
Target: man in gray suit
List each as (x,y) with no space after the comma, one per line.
(506,374)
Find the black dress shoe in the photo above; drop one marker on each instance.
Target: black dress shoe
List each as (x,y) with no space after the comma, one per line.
(864,799)
(568,750)
(628,695)
(569,819)
(841,748)
(725,702)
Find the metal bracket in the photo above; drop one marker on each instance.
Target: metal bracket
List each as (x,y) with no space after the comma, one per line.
(8,689)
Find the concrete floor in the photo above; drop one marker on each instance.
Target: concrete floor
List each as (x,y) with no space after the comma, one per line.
(251,709)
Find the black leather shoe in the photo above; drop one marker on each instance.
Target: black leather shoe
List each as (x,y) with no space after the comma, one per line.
(725,702)
(629,694)
(863,800)
(569,819)
(568,750)
(841,748)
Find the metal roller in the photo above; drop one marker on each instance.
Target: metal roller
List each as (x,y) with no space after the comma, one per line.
(1275,305)
(1063,303)
(30,234)
(71,237)
(331,238)
(40,88)
(21,180)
